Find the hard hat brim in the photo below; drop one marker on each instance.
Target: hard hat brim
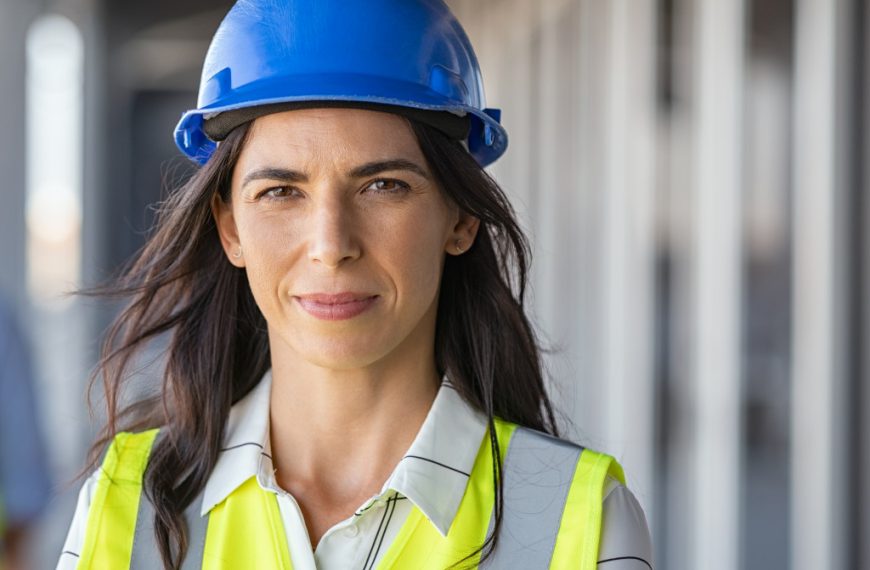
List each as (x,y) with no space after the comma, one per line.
(218,127)
(487,139)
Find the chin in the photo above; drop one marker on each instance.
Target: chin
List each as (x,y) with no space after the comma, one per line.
(341,354)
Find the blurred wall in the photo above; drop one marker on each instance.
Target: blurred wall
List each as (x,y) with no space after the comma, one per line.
(13,37)
(691,175)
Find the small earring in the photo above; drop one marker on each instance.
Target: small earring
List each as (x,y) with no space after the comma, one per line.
(459,246)
(239,254)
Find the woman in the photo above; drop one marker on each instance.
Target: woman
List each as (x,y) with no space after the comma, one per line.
(351,380)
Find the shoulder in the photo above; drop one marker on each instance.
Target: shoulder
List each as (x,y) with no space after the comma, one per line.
(127,455)
(625,536)
(589,478)
(75,538)
(533,445)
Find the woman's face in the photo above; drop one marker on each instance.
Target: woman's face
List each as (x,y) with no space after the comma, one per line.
(343,233)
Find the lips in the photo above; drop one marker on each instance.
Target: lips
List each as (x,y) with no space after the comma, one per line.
(336,306)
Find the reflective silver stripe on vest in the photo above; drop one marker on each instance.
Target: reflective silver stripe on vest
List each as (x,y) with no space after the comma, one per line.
(538,470)
(146,556)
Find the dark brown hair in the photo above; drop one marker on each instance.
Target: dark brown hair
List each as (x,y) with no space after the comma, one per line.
(181,283)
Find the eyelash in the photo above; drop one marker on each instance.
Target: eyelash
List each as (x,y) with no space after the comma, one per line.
(402,188)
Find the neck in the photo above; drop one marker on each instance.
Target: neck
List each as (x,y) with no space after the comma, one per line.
(343,431)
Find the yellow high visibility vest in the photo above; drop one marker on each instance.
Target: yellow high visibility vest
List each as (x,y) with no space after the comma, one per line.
(246,530)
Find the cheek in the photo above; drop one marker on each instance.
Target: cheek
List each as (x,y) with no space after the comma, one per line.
(415,245)
(268,243)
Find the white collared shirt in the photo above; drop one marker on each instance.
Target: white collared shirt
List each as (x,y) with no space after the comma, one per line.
(432,475)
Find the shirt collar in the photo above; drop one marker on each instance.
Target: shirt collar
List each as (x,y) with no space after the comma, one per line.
(435,471)
(433,474)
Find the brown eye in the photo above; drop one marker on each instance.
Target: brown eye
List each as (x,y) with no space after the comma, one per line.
(388,186)
(278,193)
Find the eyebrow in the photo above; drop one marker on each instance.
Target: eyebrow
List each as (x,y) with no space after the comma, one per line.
(362,171)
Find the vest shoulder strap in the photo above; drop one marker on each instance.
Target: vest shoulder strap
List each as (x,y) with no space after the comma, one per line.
(580,532)
(112,515)
(553,493)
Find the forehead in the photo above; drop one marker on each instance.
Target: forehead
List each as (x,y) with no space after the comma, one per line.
(319,137)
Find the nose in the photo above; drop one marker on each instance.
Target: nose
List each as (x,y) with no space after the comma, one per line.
(331,236)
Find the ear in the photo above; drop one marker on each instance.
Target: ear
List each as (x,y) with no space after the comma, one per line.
(227,230)
(463,234)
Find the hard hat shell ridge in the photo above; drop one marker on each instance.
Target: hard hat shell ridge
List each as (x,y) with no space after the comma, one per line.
(401,53)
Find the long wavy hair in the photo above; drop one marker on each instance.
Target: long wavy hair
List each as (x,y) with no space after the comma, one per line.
(180,284)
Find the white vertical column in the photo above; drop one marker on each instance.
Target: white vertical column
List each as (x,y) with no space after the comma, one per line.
(716,268)
(629,243)
(548,194)
(818,528)
(513,94)
(587,171)
(55,123)
(55,61)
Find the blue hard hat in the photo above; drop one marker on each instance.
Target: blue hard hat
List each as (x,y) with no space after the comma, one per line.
(409,54)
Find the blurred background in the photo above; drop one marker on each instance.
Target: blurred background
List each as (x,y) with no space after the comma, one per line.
(693,176)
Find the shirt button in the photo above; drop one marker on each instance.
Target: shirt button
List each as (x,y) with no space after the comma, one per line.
(351,531)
